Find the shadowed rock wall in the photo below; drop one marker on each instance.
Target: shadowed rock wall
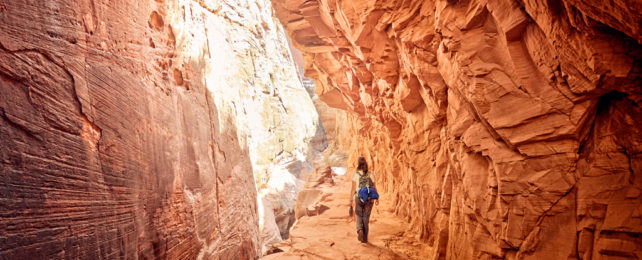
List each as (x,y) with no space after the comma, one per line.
(128,129)
(500,128)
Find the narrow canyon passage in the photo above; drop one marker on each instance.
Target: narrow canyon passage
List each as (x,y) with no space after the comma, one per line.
(325,231)
(201,129)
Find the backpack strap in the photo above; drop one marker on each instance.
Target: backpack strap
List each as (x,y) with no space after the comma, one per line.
(368,183)
(361,175)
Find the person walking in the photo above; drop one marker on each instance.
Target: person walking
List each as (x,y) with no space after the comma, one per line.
(362,178)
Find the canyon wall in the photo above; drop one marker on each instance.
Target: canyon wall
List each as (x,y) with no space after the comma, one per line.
(140,129)
(336,131)
(332,119)
(501,129)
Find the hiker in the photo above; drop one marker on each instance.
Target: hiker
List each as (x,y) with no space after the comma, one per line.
(364,202)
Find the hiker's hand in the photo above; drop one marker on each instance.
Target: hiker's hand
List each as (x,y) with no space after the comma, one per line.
(377,202)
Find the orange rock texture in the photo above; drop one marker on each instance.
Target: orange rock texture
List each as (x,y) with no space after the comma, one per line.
(125,129)
(501,129)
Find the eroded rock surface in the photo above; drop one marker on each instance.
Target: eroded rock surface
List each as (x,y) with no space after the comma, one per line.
(333,120)
(500,128)
(134,129)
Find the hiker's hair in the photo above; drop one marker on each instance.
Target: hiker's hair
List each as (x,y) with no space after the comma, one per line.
(362,165)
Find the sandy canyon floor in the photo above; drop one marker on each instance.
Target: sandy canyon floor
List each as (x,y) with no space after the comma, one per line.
(332,235)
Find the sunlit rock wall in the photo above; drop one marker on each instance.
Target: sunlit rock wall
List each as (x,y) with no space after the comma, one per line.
(133,129)
(501,129)
(273,112)
(336,132)
(332,119)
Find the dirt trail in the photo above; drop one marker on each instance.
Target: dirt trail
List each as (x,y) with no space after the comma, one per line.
(332,235)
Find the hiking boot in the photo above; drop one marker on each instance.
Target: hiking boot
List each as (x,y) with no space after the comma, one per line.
(360,236)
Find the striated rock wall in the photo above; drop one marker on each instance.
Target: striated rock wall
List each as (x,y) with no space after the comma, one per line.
(132,129)
(501,129)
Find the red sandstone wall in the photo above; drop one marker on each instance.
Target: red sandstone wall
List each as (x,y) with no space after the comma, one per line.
(111,146)
(502,129)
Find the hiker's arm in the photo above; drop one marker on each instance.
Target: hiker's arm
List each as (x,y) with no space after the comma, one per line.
(374,185)
(352,187)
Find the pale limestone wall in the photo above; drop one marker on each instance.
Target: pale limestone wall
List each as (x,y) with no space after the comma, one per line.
(251,73)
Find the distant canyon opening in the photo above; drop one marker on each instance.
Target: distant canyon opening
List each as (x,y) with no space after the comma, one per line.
(205,129)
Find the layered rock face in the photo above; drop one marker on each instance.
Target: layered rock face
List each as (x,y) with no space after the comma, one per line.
(132,129)
(501,129)
(337,134)
(333,120)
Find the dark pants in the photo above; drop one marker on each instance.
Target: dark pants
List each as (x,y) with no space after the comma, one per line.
(362,210)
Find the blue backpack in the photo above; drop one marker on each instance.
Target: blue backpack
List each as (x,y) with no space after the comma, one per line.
(365,191)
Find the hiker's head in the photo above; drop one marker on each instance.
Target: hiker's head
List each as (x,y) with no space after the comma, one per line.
(362,165)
